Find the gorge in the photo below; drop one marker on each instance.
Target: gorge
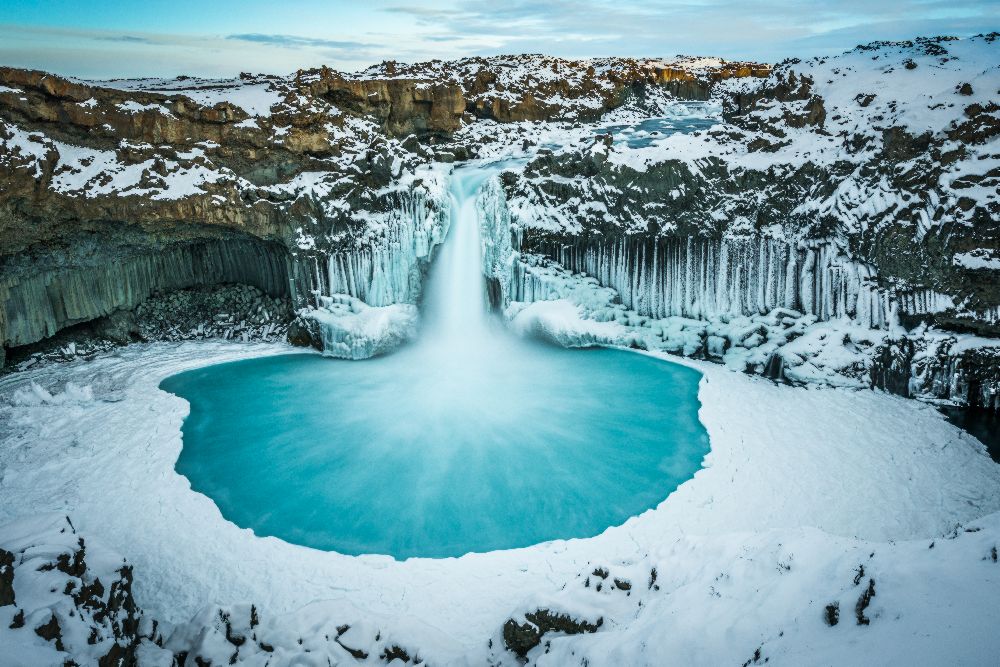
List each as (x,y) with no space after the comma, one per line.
(303,351)
(471,440)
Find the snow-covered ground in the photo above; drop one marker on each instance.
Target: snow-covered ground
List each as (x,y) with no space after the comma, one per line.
(800,488)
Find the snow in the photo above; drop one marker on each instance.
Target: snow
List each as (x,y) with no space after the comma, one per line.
(131,106)
(44,589)
(255,97)
(977,259)
(94,173)
(878,470)
(22,149)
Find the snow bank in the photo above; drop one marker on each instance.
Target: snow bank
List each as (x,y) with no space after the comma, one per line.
(789,469)
(254,97)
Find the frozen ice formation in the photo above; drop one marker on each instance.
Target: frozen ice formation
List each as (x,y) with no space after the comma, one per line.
(351,329)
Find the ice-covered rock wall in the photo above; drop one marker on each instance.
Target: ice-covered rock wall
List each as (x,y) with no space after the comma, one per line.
(350,329)
(693,277)
(957,365)
(362,298)
(702,278)
(501,246)
(391,270)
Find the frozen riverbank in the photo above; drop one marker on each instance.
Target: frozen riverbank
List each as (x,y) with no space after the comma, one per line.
(806,477)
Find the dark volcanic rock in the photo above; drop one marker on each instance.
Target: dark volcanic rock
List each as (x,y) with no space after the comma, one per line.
(520,638)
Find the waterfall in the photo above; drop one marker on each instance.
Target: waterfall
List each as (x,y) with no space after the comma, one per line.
(366,297)
(454,306)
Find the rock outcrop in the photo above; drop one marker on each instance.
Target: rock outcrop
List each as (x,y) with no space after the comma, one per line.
(117,190)
(75,605)
(859,186)
(542,88)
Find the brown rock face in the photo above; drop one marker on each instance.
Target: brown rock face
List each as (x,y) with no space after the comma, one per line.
(542,88)
(113,114)
(403,106)
(109,186)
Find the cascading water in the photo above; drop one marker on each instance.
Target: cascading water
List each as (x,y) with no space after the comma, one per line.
(454,307)
(469,440)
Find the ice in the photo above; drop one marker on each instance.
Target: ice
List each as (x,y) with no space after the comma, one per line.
(390,270)
(351,329)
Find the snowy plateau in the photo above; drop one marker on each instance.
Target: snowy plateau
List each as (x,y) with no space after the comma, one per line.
(818,239)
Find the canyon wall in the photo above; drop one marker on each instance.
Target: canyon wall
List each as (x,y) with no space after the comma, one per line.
(45,295)
(326,181)
(855,189)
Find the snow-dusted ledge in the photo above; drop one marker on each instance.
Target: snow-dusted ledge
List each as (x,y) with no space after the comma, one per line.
(800,487)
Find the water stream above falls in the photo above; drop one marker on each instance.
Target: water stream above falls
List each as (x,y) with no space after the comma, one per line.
(469,440)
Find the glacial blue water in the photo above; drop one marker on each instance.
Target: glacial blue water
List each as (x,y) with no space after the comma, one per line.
(468,440)
(377,457)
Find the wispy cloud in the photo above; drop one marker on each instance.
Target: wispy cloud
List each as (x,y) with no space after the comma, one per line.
(423,12)
(130,39)
(765,30)
(293,41)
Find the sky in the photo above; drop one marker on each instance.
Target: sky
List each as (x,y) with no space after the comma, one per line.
(223,37)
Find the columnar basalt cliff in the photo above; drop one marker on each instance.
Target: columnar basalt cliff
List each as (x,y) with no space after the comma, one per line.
(117,190)
(860,188)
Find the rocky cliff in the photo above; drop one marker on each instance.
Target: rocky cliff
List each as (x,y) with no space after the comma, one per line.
(543,88)
(117,190)
(862,187)
(858,188)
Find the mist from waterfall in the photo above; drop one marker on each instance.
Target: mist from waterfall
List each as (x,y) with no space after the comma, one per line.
(469,365)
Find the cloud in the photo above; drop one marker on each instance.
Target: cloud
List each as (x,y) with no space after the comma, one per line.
(130,39)
(765,30)
(294,41)
(423,12)
(100,54)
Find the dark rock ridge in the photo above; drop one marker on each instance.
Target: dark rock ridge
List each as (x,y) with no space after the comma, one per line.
(520,638)
(829,190)
(403,106)
(230,311)
(120,189)
(44,295)
(542,88)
